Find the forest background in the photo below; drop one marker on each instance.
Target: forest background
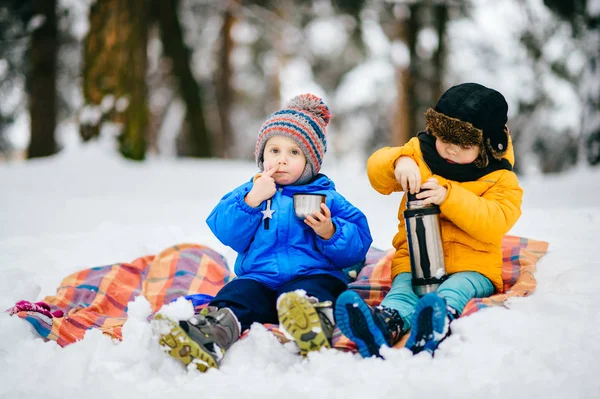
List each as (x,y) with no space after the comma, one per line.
(196,78)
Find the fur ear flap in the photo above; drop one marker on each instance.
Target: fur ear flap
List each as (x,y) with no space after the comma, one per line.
(482,159)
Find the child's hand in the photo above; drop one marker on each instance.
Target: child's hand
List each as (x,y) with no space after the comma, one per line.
(264,187)
(432,192)
(321,223)
(408,174)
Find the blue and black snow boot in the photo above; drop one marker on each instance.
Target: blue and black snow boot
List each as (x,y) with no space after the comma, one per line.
(430,323)
(369,328)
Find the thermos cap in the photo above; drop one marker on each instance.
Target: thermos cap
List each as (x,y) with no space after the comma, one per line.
(415,206)
(413,202)
(411,197)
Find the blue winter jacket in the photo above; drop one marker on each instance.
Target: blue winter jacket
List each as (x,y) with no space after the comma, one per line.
(289,248)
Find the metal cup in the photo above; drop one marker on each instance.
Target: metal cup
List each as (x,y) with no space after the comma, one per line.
(308,204)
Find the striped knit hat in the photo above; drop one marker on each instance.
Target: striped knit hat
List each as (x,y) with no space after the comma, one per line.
(303,120)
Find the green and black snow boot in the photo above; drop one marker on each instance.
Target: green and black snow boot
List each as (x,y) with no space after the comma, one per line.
(305,320)
(201,340)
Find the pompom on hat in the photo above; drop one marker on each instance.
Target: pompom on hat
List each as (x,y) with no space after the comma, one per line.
(471,114)
(304,120)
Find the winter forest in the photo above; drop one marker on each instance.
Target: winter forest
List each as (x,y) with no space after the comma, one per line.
(123,123)
(195,78)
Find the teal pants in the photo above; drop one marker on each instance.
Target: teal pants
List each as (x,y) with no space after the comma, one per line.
(458,289)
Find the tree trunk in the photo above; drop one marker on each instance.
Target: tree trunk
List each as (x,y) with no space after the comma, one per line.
(133,138)
(405,117)
(590,91)
(439,57)
(224,141)
(42,81)
(177,51)
(114,75)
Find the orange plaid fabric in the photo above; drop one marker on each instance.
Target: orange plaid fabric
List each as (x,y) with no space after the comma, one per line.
(519,255)
(98,297)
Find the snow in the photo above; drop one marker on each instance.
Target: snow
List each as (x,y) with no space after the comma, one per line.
(87,207)
(593,7)
(327,36)
(79,11)
(365,85)
(296,77)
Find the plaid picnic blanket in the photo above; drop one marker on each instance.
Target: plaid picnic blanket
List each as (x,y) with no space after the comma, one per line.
(519,257)
(98,297)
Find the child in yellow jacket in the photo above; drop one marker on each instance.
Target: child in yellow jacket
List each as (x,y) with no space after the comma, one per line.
(463,163)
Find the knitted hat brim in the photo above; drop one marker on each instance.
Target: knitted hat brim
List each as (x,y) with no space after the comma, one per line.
(289,133)
(287,125)
(309,170)
(304,120)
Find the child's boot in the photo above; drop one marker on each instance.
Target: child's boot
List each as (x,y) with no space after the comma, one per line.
(307,323)
(431,323)
(369,328)
(201,340)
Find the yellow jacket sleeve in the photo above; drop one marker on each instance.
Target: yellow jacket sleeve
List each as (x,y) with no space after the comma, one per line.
(491,215)
(380,166)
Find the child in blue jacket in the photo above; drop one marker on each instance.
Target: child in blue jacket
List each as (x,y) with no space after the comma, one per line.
(289,271)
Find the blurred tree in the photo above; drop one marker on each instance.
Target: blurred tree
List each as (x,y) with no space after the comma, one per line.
(420,79)
(440,23)
(14,17)
(189,89)
(25,49)
(585,22)
(114,73)
(330,69)
(350,7)
(405,27)
(69,64)
(569,10)
(247,55)
(224,141)
(537,128)
(41,79)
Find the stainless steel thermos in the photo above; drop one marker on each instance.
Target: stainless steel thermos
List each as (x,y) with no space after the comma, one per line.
(423,231)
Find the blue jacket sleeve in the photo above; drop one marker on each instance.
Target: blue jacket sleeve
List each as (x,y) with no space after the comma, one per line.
(352,238)
(233,221)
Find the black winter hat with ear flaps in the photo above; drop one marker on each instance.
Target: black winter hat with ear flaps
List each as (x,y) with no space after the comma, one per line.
(471,114)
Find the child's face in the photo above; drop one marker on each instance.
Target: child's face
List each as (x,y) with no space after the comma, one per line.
(286,155)
(453,153)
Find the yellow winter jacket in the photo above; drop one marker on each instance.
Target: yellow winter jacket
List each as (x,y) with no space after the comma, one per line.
(474,216)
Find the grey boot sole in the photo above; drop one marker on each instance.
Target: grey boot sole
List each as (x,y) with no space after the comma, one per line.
(176,343)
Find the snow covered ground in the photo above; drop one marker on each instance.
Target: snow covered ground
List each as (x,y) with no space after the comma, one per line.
(87,207)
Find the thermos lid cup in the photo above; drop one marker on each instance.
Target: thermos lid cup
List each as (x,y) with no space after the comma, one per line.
(411,197)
